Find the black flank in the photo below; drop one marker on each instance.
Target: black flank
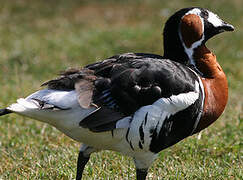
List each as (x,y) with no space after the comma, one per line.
(141,133)
(131,145)
(127,134)
(140,145)
(146,118)
(176,127)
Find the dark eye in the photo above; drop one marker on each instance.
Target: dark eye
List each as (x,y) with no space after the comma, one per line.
(204,14)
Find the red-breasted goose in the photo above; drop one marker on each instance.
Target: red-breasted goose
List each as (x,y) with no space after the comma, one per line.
(137,103)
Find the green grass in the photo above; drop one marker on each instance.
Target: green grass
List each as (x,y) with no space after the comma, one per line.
(40,38)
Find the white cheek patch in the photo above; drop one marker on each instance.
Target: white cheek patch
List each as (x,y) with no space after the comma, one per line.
(214,19)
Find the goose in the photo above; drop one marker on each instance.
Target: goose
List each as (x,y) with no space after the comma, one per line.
(138,103)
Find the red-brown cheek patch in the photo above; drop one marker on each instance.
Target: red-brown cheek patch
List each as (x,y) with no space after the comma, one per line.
(191,29)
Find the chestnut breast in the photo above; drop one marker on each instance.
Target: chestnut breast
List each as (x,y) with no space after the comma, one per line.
(215,87)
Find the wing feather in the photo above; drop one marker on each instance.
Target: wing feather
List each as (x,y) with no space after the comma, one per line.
(122,84)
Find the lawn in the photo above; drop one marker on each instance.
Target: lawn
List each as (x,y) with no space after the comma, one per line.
(40,38)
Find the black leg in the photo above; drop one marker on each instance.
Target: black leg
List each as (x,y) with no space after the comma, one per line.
(82,161)
(141,174)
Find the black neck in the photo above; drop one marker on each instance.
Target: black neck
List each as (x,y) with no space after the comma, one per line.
(173,48)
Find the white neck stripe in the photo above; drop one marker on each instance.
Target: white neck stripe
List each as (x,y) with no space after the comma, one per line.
(189,51)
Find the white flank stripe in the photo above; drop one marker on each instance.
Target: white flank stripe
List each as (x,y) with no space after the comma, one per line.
(178,102)
(152,117)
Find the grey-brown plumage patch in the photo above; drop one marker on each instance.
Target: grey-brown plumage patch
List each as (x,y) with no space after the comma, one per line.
(85,88)
(81,80)
(68,78)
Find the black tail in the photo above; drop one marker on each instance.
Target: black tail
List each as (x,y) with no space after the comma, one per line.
(4,111)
